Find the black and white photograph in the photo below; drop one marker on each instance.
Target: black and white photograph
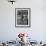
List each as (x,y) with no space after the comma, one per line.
(22,16)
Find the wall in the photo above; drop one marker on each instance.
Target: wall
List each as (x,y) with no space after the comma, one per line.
(8,31)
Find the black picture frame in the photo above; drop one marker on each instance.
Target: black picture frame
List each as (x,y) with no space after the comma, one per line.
(22,17)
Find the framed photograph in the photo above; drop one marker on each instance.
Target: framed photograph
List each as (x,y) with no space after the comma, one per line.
(22,17)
